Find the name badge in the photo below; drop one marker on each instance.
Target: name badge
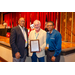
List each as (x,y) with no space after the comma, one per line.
(53,38)
(25,41)
(48,45)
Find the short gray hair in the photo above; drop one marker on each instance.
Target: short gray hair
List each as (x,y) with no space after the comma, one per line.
(37,21)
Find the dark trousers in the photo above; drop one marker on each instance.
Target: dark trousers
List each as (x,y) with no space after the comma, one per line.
(21,59)
(49,56)
(34,58)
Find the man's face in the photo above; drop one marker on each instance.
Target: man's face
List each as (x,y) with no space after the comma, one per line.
(50,26)
(21,22)
(36,25)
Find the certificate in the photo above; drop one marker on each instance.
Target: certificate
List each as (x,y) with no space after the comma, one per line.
(34,45)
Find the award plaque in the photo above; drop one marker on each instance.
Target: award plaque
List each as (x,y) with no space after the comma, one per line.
(34,46)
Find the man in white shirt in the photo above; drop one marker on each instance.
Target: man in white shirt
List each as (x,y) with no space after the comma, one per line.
(40,34)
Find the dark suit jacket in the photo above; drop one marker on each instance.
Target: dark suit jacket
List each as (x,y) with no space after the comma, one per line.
(17,41)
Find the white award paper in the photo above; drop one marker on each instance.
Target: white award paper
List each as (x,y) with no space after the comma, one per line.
(34,46)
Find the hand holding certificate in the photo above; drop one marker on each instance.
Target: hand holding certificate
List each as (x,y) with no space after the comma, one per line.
(34,46)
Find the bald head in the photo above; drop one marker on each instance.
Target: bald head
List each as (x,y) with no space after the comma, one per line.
(21,18)
(21,22)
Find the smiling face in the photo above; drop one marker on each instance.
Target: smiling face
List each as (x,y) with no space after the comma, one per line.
(21,22)
(37,25)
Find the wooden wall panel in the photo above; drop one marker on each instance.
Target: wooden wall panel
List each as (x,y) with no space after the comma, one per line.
(73,38)
(63,25)
(68,28)
(0,17)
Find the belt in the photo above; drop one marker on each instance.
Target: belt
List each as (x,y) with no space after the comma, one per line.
(51,50)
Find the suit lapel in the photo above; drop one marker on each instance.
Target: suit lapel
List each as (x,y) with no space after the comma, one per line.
(19,30)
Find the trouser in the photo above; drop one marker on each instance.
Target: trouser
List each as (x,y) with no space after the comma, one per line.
(21,59)
(49,56)
(34,58)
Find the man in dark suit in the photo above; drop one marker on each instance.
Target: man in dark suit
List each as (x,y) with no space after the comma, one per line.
(19,41)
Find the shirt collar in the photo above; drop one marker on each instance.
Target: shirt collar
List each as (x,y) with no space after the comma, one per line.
(51,32)
(21,27)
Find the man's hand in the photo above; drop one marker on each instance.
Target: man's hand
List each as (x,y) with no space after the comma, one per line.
(17,55)
(46,48)
(53,58)
(40,51)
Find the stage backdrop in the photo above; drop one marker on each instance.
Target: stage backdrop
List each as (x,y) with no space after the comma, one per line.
(11,18)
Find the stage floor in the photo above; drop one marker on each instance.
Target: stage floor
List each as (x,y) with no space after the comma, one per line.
(65,45)
(67,52)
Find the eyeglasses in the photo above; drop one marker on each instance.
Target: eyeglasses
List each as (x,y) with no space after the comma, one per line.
(49,25)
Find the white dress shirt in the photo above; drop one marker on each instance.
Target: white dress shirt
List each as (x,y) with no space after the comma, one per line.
(24,34)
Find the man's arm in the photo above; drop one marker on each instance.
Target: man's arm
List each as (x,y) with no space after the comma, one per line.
(58,45)
(12,40)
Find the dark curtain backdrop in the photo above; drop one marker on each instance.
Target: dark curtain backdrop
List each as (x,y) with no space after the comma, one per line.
(13,17)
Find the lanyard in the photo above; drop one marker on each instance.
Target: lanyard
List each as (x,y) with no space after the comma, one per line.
(24,34)
(36,35)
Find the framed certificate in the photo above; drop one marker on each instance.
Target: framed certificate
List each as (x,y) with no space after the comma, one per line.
(34,45)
